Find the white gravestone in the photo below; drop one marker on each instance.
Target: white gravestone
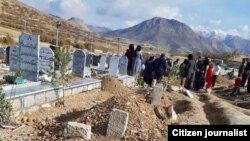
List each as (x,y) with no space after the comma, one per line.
(29,54)
(14,59)
(113,68)
(2,53)
(123,64)
(79,58)
(46,59)
(102,62)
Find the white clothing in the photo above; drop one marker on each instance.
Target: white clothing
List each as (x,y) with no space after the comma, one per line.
(216,70)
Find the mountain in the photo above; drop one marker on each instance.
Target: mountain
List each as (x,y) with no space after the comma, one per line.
(98,29)
(236,43)
(172,35)
(78,23)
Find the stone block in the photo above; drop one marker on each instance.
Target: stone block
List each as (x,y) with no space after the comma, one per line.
(67,92)
(74,129)
(28,101)
(90,87)
(117,124)
(16,104)
(40,99)
(51,96)
(85,88)
(157,94)
(47,105)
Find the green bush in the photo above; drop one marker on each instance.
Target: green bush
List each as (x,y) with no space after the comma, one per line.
(5,109)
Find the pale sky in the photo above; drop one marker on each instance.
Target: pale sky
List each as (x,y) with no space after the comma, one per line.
(227,16)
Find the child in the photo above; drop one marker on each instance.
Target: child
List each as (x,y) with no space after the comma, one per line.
(237,85)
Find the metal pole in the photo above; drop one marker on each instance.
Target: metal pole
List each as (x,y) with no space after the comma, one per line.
(58,24)
(118,39)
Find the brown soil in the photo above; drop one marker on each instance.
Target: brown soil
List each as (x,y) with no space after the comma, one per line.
(112,85)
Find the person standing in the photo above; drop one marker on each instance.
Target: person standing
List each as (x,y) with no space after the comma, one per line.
(245,73)
(183,72)
(191,67)
(216,72)
(137,64)
(209,76)
(242,66)
(205,65)
(198,74)
(160,67)
(148,72)
(129,55)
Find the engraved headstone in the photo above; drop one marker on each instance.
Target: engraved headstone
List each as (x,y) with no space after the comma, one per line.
(123,63)
(46,59)
(102,62)
(14,59)
(29,56)
(79,60)
(113,68)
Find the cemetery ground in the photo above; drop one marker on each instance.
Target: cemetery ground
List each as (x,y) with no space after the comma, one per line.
(93,108)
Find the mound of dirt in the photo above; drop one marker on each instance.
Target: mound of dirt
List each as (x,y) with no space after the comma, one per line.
(112,85)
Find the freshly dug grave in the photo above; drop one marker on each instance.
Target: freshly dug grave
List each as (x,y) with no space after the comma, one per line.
(112,85)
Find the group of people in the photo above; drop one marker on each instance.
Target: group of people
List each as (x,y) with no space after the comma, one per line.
(193,73)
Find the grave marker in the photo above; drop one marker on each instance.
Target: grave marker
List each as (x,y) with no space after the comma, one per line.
(102,62)
(14,59)
(89,60)
(113,68)
(2,53)
(79,60)
(46,59)
(123,64)
(29,56)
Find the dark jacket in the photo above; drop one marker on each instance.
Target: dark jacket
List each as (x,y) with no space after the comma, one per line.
(160,66)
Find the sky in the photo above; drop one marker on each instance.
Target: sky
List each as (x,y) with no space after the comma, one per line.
(222,16)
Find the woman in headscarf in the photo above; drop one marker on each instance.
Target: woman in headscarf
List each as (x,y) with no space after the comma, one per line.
(209,77)
(148,72)
(137,64)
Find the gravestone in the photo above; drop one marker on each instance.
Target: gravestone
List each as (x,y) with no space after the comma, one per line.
(123,64)
(29,56)
(46,59)
(102,62)
(117,124)
(2,54)
(89,60)
(113,68)
(108,61)
(157,94)
(96,59)
(14,59)
(7,55)
(79,60)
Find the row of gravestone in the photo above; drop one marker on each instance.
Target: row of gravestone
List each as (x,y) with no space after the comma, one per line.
(29,59)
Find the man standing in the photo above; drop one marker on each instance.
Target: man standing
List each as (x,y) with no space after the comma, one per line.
(216,72)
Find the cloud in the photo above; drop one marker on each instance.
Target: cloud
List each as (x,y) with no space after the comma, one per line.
(131,23)
(214,22)
(166,12)
(68,8)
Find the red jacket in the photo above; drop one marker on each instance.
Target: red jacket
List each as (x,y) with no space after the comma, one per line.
(237,82)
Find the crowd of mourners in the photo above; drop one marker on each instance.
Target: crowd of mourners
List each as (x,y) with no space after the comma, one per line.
(195,74)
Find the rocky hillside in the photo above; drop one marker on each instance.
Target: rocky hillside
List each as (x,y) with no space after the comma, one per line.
(78,23)
(172,35)
(98,29)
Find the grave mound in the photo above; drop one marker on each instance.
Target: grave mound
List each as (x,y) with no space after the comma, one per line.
(112,85)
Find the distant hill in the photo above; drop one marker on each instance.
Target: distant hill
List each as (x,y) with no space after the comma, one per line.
(172,35)
(78,23)
(236,43)
(98,29)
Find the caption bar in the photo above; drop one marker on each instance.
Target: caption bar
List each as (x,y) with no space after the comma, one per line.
(208,132)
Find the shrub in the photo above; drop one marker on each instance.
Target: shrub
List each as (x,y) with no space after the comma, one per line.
(5,109)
